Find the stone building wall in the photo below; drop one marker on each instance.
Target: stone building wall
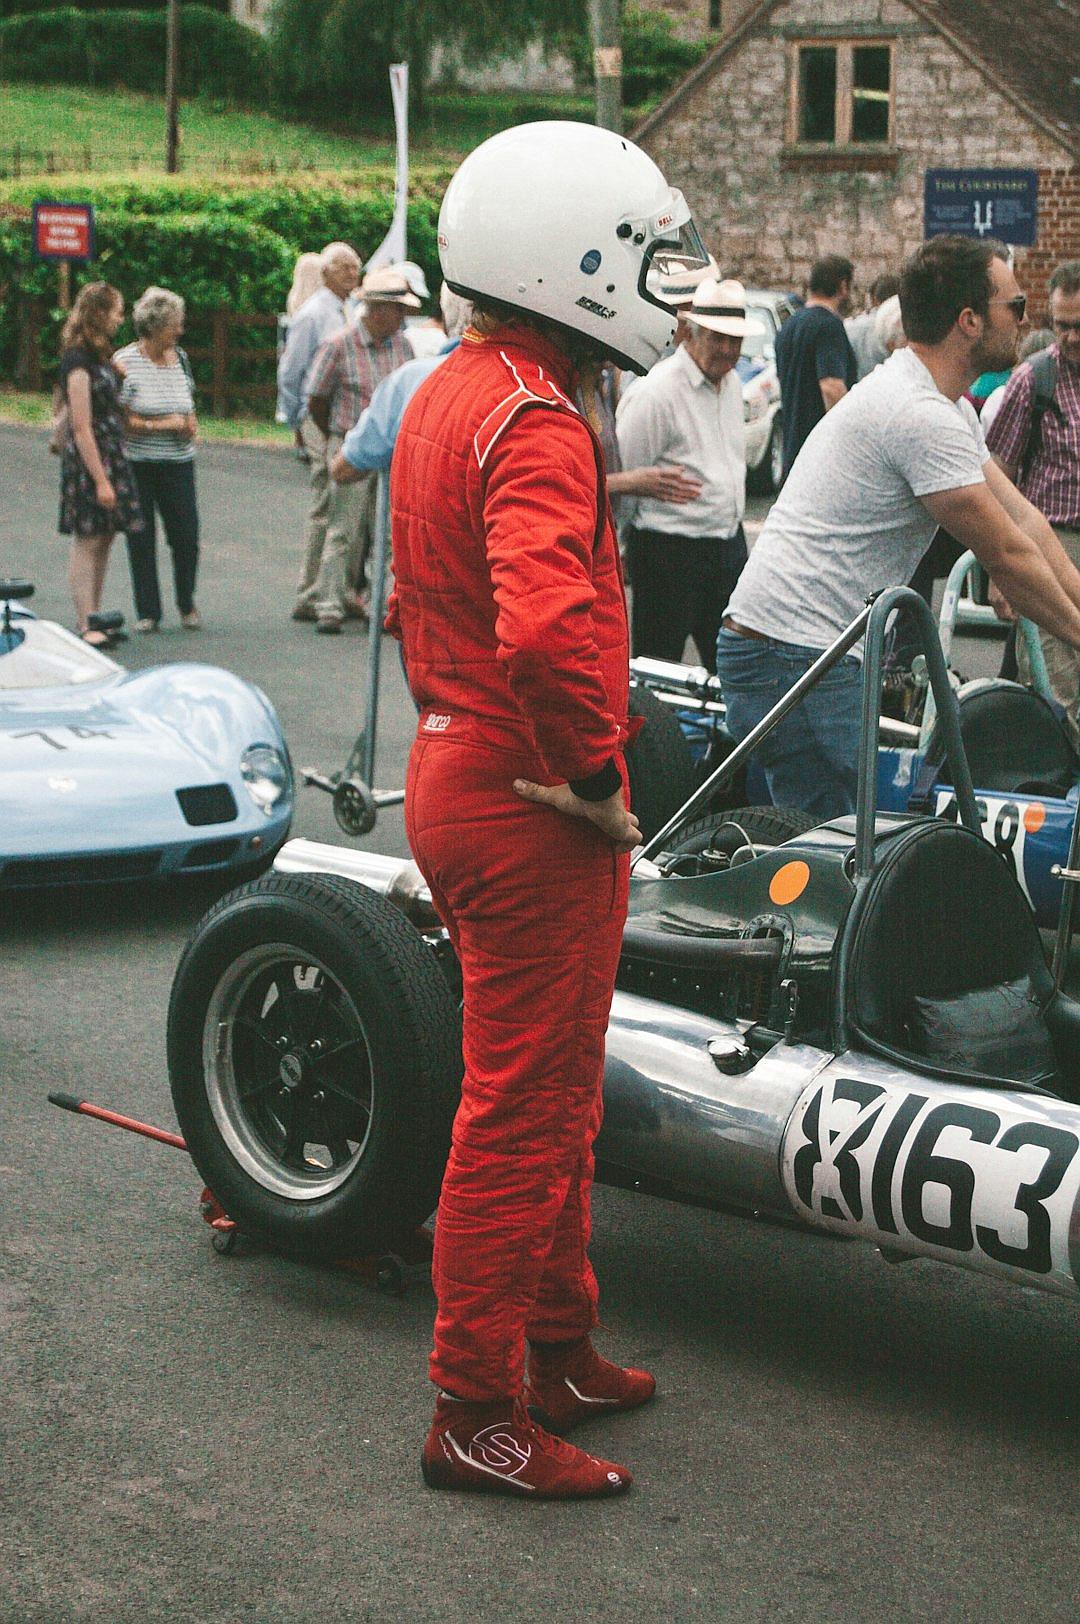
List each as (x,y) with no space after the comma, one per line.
(768,213)
(691,19)
(694,19)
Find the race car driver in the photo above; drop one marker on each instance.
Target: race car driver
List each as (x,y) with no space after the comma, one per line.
(509,604)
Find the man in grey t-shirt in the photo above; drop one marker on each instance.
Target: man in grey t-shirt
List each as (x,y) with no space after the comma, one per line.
(897,457)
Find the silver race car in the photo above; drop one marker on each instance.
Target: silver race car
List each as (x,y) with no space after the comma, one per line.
(850,1027)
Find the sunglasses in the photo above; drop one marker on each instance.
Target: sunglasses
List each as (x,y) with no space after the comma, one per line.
(1018,306)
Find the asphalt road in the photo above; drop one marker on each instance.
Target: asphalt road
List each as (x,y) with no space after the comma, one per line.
(191,1437)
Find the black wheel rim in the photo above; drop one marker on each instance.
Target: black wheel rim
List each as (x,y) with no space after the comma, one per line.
(288,1071)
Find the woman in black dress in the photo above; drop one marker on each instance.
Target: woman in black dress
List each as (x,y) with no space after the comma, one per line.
(98,496)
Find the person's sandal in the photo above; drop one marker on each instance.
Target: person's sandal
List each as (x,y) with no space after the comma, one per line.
(146,625)
(109,622)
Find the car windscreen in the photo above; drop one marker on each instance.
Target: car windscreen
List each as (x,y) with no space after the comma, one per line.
(754,343)
(46,656)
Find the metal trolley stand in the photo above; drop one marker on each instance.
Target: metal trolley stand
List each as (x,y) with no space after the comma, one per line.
(356,800)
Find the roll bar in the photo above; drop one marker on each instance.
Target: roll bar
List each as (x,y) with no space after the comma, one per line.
(954,584)
(870,622)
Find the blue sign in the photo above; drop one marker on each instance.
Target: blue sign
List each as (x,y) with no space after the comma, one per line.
(1001,203)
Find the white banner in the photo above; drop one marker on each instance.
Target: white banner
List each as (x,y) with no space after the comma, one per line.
(393,248)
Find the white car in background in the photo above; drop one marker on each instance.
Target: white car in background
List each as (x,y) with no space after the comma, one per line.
(761,391)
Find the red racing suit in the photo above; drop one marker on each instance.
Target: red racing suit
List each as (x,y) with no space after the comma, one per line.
(509,603)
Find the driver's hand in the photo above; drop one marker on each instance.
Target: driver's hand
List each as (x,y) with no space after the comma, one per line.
(611,817)
(1000,603)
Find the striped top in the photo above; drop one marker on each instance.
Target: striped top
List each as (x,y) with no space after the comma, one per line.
(150,390)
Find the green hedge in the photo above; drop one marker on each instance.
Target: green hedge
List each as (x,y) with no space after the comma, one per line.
(305,217)
(217,248)
(210,260)
(218,55)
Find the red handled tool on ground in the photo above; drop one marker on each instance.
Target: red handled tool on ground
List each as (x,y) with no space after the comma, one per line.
(225,1231)
(390,1271)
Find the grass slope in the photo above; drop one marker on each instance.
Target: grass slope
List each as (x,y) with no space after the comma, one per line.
(123,131)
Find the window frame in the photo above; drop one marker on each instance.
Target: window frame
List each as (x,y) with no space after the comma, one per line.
(845,46)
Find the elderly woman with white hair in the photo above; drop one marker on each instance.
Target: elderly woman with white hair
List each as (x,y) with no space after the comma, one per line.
(159,438)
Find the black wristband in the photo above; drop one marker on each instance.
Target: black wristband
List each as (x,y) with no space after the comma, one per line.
(598,786)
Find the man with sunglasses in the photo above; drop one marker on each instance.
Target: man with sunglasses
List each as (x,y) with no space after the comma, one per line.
(1035,439)
(900,455)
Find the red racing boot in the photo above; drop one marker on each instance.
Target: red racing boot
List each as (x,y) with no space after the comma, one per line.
(497,1449)
(569,1383)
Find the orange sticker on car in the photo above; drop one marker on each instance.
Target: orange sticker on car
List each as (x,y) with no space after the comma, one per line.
(789,883)
(1034,817)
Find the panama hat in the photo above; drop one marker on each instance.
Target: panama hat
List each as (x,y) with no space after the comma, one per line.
(679,282)
(387,286)
(414,276)
(721,307)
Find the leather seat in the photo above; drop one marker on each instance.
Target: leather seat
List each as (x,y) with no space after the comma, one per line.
(943,915)
(1013,740)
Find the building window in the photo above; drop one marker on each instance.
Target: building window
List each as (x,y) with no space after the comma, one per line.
(843,94)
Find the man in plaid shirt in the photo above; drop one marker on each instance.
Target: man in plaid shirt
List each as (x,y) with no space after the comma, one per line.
(341,382)
(1050,477)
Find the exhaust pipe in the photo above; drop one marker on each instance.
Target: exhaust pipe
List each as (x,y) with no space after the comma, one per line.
(396,878)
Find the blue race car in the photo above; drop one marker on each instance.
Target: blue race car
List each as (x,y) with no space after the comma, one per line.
(109,774)
(1024,768)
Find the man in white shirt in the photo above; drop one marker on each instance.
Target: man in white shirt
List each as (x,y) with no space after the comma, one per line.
(684,559)
(901,454)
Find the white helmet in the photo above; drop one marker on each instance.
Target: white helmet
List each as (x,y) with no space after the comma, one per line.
(574,224)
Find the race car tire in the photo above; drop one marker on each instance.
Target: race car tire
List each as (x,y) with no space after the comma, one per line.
(314,1050)
(723,832)
(659,764)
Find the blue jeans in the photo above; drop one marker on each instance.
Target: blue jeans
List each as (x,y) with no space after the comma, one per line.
(811,761)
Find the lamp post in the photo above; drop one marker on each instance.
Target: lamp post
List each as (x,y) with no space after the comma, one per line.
(606,28)
(172,60)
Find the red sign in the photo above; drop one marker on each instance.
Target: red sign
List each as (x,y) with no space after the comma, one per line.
(64,230)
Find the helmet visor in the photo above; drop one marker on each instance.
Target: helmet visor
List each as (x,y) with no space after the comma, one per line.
(678,254)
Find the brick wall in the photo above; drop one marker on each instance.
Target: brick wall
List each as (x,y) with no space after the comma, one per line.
(1059,235)
(768,213)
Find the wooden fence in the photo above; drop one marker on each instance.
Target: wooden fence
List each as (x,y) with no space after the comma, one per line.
(23,162)
(226,359)
(222,366)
